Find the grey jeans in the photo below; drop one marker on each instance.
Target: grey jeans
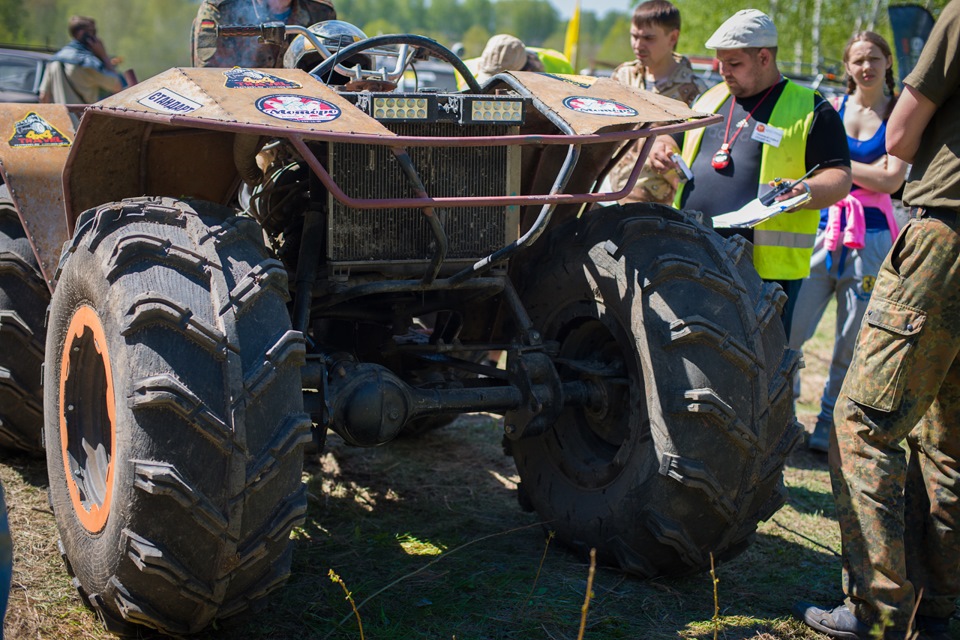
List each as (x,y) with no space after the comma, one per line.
(851,287)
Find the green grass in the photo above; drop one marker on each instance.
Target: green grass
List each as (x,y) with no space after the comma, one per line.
(427,537)
(816,354)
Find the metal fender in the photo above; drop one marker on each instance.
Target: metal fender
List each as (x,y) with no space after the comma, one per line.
(37,139)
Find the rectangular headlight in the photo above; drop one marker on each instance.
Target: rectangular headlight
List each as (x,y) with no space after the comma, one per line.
(401,108)
(487,109)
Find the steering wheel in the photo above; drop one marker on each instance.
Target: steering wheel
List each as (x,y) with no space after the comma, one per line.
(420,42)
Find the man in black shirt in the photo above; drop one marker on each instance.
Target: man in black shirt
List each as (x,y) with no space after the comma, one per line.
(772,128)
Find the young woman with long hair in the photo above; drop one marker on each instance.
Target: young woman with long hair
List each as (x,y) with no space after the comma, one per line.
(856,233)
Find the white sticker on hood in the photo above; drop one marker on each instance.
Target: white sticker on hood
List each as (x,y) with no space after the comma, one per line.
(599,107)
(167,101)
(297,108)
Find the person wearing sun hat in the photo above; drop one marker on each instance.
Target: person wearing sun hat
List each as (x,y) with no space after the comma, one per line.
(503,52)
(771,128)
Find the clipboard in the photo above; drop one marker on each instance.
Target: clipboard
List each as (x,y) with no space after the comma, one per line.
(755,212)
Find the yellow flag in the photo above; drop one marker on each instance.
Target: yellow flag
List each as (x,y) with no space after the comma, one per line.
(572,41)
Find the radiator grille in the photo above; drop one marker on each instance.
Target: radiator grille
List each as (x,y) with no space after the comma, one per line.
(359,236)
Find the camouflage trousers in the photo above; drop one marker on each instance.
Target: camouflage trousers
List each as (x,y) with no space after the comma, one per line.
(899,513)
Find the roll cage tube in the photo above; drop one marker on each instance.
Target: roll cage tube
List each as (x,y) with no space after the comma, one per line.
(421,42)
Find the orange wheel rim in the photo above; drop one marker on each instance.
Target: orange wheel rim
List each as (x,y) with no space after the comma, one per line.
(87,419)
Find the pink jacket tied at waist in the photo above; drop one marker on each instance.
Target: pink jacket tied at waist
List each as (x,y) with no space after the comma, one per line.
(850,210)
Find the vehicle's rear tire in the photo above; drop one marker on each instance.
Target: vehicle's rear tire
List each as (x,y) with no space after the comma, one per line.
(684,455)
(23,302)
(173,414)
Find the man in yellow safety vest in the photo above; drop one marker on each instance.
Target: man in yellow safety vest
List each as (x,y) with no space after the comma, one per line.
(772,128)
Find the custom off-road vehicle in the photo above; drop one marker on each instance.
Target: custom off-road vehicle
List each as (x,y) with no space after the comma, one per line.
(252,257)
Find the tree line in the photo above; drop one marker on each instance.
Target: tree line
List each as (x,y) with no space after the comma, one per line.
(153,35)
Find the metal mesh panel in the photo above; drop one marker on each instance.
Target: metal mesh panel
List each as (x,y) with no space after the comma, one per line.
(356,235)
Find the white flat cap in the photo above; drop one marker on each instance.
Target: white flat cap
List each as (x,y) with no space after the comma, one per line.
(745,29)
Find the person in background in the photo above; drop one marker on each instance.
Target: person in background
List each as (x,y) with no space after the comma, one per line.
(81,72)
(899,514)
(209,50)
(654,32)
(856,233)
(503,52)
(783,130)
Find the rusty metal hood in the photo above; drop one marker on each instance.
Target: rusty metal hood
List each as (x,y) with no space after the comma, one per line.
(277,101)
(590,105)
(265,100)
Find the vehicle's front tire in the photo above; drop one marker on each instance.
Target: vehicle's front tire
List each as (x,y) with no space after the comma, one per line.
(173,414)
(683,454)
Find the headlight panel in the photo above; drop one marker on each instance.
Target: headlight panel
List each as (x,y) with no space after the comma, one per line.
(495,109)
(441,107)
(402,108)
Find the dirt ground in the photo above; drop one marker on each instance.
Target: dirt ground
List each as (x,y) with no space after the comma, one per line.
(426,536)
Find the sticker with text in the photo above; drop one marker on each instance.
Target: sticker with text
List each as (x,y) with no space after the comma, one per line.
(598,107)
(767,134)
(167,101)
(34,131)
(240,78)
(293,108)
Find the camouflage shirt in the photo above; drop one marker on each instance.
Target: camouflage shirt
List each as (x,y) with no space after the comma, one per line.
(209,51)
(682,84)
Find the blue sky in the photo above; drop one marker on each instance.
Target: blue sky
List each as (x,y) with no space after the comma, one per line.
(599,7)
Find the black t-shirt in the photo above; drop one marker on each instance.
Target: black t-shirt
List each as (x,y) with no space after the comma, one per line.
(715,191)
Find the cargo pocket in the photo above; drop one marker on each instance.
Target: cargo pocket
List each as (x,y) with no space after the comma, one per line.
(882,354)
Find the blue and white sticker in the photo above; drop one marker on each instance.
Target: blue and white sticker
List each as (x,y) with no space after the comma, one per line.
(166,101)
(294,108)
(598,107)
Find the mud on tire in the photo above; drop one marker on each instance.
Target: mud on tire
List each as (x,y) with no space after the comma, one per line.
(23,302)
(174,420)
(685,454)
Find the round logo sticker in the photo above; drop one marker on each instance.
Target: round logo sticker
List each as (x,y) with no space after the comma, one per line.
(598,107)
(295,108)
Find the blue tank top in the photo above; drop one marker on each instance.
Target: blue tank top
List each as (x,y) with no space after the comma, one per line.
(865,151)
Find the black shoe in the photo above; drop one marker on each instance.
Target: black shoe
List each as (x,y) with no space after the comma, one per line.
(930,628)
(838,622)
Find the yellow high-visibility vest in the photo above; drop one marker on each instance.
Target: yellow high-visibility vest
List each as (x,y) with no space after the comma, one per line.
(553,61)
(782,245)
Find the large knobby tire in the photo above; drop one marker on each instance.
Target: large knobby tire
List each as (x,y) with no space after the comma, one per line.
(173,414)
(23,302)
(684,455)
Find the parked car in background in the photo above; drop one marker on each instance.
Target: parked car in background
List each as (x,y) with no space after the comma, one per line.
(21,71)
